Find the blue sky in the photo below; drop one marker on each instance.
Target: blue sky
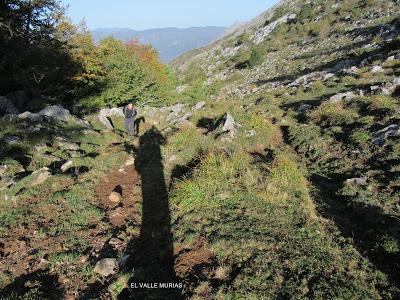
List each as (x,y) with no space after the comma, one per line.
(144,14)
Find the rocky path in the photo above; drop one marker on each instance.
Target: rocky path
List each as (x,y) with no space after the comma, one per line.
(135,198)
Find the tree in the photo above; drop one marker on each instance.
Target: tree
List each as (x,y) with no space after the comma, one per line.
(31,55)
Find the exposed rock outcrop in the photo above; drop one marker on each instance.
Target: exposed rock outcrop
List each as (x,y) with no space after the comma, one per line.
(106,113)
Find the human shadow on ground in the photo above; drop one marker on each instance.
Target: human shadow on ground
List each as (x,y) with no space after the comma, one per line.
(43,284)
(138,121)
(152,261)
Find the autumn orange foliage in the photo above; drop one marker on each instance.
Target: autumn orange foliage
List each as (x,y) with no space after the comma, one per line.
(150,57)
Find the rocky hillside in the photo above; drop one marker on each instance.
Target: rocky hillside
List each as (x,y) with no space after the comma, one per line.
(275,175)
(326,73)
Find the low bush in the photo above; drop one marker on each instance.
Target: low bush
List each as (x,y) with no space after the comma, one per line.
(331,114)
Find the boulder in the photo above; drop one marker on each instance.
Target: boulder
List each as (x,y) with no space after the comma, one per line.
(342,96)
(31,117)
(229,125)
(57,113)
(67,146)
(117,112)
(381,135)
(7,107)
(66,166)
(106,113)
(105,122)
(40,176)
(12,140)
(106,267)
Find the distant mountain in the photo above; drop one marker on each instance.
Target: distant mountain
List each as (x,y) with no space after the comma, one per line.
(170,42)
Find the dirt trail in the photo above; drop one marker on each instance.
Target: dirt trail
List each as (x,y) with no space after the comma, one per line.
(143,220)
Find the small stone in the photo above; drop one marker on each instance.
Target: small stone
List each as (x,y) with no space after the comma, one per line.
(251,133)
(374,88)
(346,96)
(114,242)
(3,169)
(67,166)
(377,69)
(199,105)
(68,146)
(224,195)
(115,197)
(106,267)
(222,273)
(304,108)
(130,162)
(363,181)
(396,82)
(386,91)
(172,158)
(12,140)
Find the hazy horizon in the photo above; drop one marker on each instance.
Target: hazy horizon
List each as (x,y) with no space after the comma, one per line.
(158,14)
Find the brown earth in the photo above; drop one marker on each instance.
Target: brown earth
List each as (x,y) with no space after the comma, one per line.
(24,252)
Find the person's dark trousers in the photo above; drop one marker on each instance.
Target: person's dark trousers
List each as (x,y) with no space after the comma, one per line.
(130,126)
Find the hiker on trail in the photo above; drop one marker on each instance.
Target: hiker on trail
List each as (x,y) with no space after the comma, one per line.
(130,113)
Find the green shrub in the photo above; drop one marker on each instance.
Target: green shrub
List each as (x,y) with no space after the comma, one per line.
(256,57)
(318,88)
(382,104)
(331,114)
(360,137)
(241,58)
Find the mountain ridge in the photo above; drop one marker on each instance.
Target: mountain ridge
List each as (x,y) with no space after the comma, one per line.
(170,42)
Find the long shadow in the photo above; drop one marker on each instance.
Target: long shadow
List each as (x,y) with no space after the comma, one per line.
(45,285)
(180,172)
(153,258)
(138,121)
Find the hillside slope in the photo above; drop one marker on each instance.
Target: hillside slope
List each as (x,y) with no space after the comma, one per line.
(276,176)
(327,73)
